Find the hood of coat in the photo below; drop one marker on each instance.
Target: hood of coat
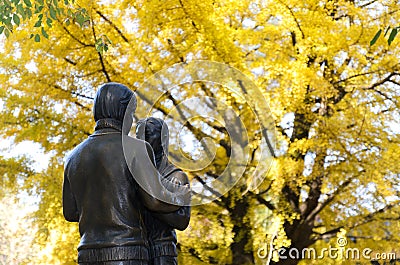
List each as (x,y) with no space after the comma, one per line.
(111,103)
(155,131)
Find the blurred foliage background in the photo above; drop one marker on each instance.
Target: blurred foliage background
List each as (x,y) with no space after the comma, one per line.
(334,101)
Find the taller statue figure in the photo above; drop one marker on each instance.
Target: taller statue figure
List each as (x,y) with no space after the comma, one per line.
(99,191)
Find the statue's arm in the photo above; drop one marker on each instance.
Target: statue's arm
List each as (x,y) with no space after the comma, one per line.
(70,209)
(151,179)
(180,218)
(156,205)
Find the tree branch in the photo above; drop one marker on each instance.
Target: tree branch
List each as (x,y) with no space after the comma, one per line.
(197,255)
(313,196)
(363,220)
(69,92)
(112,25)
(70,61)
(367,4)
(353,76)
(377,84)
(328,200)
(295,19)
(103,67)
(213,191)
(263,201)
(76,38)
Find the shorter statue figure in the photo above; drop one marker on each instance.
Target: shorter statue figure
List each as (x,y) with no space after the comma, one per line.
(160,227)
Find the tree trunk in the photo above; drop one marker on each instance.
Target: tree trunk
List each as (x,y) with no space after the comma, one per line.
(241,255)
(299,231)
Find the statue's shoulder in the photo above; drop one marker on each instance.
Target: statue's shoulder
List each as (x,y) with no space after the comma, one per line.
(76,152)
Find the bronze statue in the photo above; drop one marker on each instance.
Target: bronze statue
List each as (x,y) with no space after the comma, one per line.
(99,191)
(160,227)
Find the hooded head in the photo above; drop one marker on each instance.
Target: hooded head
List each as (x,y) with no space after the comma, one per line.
(155,132)
(111,103)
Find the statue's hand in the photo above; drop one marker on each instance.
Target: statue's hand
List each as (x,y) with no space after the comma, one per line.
(177,184)
(174,185)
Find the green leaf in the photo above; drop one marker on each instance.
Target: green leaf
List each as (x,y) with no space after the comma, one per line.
(37,38)
(376,37)
(44,33)
(23,15)
(28,3)
(68,22)
(53,13)
(1,29)
(38,9)
(7,22)
(7,33)
(392,36)
(6,12)
(80,19)
(49,22)
(16,19)
(20,10)
(38,23)
(28,12)
(31,36)
(99,47)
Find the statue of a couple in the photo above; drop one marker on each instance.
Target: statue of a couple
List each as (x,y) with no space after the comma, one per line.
(120,221)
